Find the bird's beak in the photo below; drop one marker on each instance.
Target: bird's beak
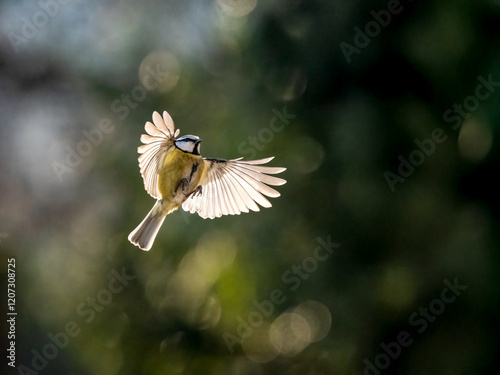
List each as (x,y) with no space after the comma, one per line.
(198,141)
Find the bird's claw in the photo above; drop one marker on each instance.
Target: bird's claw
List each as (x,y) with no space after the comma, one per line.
(184,185)
(197,191)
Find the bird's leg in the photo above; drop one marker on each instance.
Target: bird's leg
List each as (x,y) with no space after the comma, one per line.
(184,185)
(187,181)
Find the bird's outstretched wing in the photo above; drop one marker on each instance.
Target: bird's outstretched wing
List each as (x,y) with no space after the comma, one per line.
(234,186)
(160,138)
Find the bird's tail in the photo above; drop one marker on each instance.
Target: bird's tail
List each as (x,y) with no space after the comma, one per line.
(144,235)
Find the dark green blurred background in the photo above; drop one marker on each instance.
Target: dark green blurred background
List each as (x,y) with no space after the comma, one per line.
(76,72)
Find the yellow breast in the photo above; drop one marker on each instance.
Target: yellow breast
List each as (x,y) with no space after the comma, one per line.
(179,165)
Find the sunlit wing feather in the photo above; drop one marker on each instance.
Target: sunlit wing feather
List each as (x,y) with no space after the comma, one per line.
(160,138)
(234,186)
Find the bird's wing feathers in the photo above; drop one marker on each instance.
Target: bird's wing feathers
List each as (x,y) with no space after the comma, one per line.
(234,186)
(160,138)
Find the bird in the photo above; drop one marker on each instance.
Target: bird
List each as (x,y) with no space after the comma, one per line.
(175,174)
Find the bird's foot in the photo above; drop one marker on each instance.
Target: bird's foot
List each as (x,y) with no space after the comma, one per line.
(197,191)
(183,185)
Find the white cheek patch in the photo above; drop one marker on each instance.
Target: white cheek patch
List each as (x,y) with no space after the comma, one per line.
(185,146)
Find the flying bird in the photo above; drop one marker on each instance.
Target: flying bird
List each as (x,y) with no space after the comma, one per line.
(176,174)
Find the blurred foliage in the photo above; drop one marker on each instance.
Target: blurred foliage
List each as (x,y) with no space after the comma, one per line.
(80,78)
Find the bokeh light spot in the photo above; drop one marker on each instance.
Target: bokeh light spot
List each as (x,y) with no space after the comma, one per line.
(308,157)
(475,140)
(237,8)
(318,317)
(160,71)
(290,333)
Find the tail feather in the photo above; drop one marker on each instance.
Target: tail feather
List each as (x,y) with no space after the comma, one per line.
(144,235)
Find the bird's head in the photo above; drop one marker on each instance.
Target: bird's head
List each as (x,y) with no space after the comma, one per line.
(189,144)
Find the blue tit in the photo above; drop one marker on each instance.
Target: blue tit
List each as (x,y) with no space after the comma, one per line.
(176,174)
